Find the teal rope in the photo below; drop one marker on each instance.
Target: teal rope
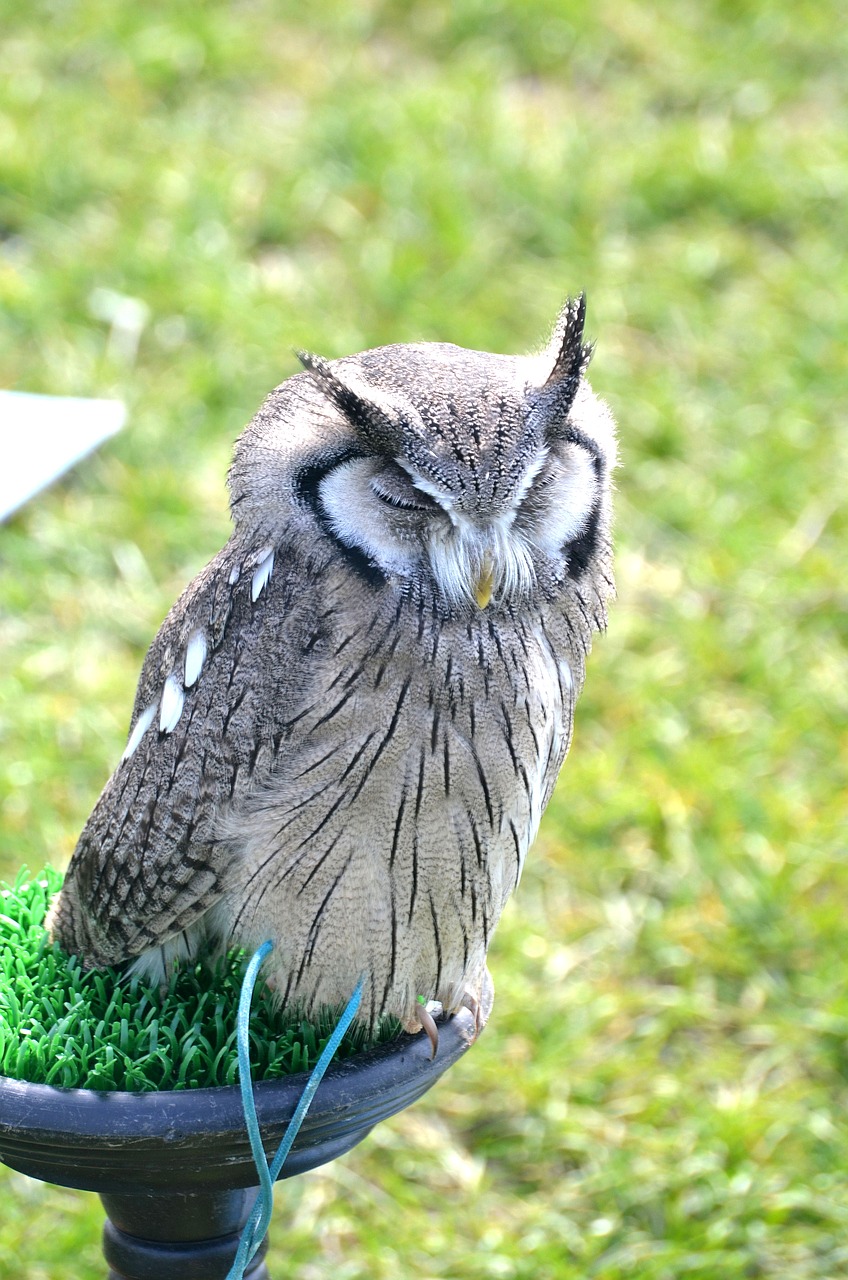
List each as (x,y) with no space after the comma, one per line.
(257,1224)
(248,1103)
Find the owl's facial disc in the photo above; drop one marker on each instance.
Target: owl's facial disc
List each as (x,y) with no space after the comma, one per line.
(406,526)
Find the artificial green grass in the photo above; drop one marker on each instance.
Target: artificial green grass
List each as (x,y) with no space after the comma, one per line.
(61,1025)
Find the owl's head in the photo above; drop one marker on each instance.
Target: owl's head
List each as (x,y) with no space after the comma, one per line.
(478,479)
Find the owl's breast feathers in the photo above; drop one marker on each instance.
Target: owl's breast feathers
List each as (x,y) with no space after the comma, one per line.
(356,777)
(409,780)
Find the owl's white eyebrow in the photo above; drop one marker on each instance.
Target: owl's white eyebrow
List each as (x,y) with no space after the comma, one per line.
(444,500)
(529,476)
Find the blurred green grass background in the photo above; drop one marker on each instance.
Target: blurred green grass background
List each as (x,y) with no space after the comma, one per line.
(186,192)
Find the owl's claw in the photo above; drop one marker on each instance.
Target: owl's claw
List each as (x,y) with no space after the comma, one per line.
(472,1004)
(428,1024)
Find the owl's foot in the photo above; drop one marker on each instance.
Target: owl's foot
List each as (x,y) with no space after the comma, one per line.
(479,1006)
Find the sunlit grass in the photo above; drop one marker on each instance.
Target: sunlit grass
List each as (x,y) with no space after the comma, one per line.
(662,1089)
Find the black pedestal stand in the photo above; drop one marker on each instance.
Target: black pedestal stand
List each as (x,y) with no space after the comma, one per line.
(174,1169)
(194,1235)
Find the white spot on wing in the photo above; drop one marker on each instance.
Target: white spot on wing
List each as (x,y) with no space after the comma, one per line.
(235,574)
(140,728)
(172,704)
(565,674)
(261,575)
(195,658)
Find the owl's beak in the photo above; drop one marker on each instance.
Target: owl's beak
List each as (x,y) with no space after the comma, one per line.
(483,589)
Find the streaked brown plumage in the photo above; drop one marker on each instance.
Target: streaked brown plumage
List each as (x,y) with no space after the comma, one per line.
(349,724)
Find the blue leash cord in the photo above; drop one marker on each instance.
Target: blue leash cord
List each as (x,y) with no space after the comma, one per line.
(257,1224)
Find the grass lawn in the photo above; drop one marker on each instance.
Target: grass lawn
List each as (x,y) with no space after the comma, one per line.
(663,1089)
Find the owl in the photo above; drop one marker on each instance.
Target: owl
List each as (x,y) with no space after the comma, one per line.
(349,725)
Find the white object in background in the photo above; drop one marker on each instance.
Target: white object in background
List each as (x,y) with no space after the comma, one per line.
(42,436)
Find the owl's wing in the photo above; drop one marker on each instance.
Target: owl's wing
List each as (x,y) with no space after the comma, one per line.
(218,687)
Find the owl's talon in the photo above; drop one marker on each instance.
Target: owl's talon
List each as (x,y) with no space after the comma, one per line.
(428,1024)
(472,1004)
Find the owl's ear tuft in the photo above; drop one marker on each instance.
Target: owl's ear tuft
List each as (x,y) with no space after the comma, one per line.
(359,405)
(567,354)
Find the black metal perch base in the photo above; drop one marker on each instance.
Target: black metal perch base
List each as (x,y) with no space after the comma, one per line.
(174,1169)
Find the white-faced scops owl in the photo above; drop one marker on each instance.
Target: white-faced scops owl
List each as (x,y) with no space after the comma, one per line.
(348,727)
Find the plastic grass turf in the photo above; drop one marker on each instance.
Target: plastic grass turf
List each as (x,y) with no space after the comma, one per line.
(62,1026)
